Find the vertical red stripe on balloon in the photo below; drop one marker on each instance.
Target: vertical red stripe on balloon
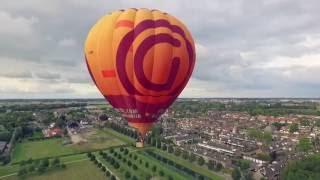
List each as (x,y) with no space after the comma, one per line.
(125,23)
(108,73)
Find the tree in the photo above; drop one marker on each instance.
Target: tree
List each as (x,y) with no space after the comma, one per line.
(154,168)
(185,155)
(103,169)
(305,122)
(304,145)
(135,167)
(126,151)
(116,165)
(161,173)
(31,168)
(264,156)
(294,127)
(243,164)
(219,166)
(158,144)
(127,174)
(146,164)
(170,149)
(41,169)
(307,168)
(211,164)
(192,157)
(164,147)
(55,162)
(177,152)
(236,174)
(45,163)
(134,178)
(200,161)
(108,173)
(113,177)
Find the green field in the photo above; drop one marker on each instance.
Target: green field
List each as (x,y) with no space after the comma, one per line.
(98,139)
(40,149)
(82,170)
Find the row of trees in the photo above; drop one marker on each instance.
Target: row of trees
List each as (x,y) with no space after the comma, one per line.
(156,142)
(39,166)
(175,165)
(123,130)
(93,158)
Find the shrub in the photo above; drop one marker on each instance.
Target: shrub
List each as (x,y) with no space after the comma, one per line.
(108,173)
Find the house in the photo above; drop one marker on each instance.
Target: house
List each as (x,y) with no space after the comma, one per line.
(55,132)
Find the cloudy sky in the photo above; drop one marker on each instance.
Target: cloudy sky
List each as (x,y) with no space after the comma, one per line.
(244,48)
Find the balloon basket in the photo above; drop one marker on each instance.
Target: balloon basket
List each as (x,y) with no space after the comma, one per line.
(139,144)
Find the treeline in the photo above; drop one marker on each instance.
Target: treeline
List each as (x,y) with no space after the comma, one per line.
(276,109)
(107,173)
(307,168)
(123,130)
(39,166)
(38,107)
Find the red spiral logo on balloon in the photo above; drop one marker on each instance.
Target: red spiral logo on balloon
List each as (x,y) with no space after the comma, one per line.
(143,48)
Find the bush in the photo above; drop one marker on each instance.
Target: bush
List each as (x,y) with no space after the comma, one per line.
(134,178)
(108,173)
(111,150)
(146,164)
(103,169)
(121,149)
(135,157)
(63,166)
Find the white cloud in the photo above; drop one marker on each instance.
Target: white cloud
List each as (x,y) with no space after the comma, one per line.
(67,42)
(16,26)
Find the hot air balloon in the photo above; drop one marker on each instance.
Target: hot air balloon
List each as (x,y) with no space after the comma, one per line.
(140,60)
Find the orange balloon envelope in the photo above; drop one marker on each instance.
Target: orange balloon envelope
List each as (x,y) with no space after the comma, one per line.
(140,60)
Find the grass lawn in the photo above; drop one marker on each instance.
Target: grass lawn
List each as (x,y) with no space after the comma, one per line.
(97,139)
(8,169)
(202,170)
(40,149)
(83,170)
